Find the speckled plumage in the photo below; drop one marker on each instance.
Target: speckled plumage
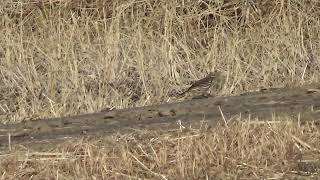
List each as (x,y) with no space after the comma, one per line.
(202,86)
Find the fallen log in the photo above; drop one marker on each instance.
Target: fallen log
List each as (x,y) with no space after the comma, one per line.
(294,102)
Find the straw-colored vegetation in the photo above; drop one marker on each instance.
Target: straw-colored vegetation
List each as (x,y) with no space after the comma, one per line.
(61,58)
(244,150)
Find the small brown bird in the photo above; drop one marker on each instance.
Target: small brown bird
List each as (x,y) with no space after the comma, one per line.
(201,87)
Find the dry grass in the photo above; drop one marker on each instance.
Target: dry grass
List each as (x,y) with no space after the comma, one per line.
(243,150)
(63,57)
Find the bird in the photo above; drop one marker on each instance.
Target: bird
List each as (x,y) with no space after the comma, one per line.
(200,88)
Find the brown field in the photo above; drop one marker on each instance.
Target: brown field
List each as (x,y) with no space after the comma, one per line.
(61,58)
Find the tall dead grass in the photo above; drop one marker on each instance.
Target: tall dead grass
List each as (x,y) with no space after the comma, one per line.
(60,58)
(69,57)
